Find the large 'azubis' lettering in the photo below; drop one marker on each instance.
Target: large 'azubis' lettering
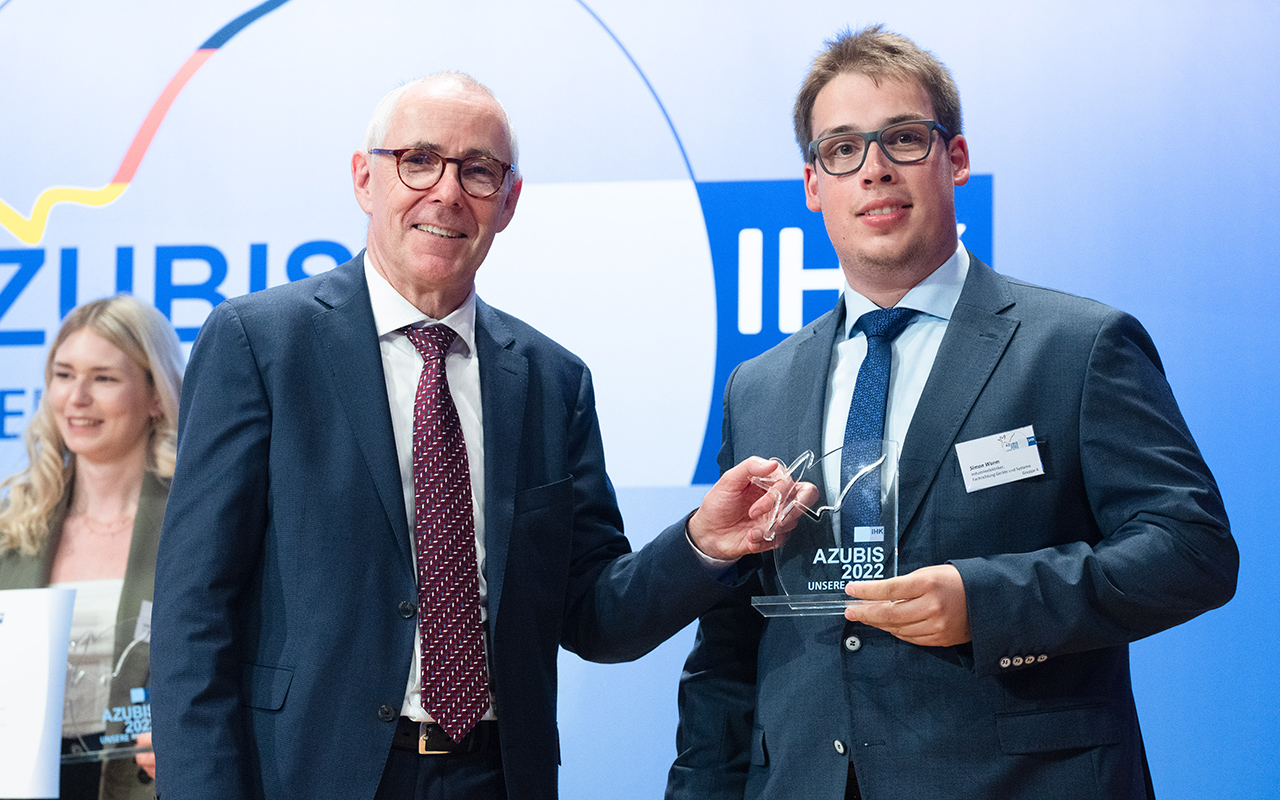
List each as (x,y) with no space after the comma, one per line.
(170,260)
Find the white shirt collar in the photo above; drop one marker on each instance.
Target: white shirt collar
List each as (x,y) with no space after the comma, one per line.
(936,295)
(391,311)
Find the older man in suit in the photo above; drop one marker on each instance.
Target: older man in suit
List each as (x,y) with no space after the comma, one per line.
(996,664)
(391,509)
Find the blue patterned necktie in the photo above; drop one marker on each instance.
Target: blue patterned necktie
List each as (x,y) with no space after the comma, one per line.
(865,428)
(455,682)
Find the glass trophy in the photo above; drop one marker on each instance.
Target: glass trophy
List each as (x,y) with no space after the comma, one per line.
(107,703)
(853,537)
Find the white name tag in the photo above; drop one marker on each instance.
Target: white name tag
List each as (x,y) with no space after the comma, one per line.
(999,458)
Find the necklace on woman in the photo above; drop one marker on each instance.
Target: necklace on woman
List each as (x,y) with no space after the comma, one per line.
(103,527)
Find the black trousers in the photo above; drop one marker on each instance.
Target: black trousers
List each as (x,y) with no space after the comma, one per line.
(851,788)
(409,776)
(78,781)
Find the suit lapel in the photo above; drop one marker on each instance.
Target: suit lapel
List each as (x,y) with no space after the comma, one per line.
(812,358)
(346,337)
(976,338)
(504,384)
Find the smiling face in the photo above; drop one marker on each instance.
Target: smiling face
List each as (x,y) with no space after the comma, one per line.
(102,401)
(429,244)
(891,224)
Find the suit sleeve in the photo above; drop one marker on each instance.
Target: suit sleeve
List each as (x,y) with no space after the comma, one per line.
(717,695)
(1162,551)
(619,605)
(213,532)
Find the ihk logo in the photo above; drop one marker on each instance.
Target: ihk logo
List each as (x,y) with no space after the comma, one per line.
(775,271)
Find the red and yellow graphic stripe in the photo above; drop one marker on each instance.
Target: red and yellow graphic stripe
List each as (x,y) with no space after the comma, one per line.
(31,229)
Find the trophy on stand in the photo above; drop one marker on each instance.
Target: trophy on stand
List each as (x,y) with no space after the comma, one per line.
(106,703)
(854,537)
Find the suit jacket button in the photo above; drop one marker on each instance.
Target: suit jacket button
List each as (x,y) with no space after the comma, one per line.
(839,745)
(408,610)
(1042,657)
(386,713)
(1017,661)
(853,644)
(1005,662)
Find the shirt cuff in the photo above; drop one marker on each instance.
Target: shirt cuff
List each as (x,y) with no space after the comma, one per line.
(719,568)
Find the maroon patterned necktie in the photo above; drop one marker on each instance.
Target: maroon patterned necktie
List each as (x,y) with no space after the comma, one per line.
(455,682)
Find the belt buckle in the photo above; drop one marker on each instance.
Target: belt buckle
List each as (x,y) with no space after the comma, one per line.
(424,729)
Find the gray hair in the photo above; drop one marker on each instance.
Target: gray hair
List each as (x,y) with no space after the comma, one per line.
(376,132)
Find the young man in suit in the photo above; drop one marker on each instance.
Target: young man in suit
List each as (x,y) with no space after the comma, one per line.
(996,664)
(391,509)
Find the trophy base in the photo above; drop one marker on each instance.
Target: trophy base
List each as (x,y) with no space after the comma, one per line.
(803,605)
(105,754)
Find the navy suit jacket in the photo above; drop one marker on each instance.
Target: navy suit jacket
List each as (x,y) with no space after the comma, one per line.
(284,619)
(1122,536)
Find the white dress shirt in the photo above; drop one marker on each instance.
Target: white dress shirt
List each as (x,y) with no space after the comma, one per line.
(913,353)
(402,366)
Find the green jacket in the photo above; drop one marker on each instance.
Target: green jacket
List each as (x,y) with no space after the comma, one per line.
(120,779)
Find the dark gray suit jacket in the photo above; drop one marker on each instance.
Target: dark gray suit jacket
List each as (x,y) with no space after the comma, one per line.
(284,619)
(1123,536)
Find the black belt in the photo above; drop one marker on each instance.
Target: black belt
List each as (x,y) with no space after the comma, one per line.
(409,736)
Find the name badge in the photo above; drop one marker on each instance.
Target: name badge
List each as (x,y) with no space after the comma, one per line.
(1000,458)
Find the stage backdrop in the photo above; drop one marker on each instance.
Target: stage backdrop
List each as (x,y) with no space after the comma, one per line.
(1123,151)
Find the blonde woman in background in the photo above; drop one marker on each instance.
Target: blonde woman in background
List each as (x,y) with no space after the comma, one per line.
(86,512)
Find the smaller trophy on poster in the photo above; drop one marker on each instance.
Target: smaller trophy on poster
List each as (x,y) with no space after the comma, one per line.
(107,703)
